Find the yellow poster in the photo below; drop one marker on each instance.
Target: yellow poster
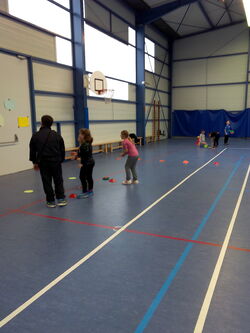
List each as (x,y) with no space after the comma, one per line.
(23,121)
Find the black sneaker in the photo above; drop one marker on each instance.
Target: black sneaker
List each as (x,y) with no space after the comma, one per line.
(51,204)
(62,202)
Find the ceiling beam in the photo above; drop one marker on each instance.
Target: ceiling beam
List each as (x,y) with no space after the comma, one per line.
(205,14)
(153,14)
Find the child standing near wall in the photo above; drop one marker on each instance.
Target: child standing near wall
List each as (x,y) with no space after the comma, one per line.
(203,138)
(133,155)
(87,163)
(227,132)
(215,137)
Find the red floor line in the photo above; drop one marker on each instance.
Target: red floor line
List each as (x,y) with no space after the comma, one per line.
(66,220)
(174,238)
(131,231)
(134,231)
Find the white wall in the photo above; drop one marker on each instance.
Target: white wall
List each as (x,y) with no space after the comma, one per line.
(14,85)
(211,70)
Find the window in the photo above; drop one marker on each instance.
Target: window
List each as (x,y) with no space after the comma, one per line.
(149,55)
(43,14)
(149,63)
(63,51)
(149,47)
(131,36)
(109,56)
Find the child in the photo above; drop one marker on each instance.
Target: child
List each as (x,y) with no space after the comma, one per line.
(130,166)
(87,163)
(215,136)
(227,132)
(47,152)
(203,138)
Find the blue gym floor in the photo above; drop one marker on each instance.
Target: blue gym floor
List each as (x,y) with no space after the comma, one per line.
(153,276)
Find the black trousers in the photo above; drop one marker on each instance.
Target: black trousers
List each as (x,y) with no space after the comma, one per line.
(52,171)
(86,177)
(226,137)
(216,142)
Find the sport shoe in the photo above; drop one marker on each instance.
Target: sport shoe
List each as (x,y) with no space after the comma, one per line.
(61,202)
(127,182)
(51,204)
(135,181)
(84,195)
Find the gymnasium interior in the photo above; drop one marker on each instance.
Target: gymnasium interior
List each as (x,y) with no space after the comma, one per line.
(169,253)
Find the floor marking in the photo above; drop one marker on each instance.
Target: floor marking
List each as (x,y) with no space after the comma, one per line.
(67,220)
(239,148)
(31,300)
(166,285)
(132,231)
(210,291)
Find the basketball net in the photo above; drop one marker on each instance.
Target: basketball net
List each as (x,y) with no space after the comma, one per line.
(107,95)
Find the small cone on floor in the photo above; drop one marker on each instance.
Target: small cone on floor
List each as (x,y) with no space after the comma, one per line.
(105,178)
(162,161)
(185,162)
(73,196)
(112,180)
(216,163)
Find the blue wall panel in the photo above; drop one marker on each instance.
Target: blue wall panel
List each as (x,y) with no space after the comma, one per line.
(190,123)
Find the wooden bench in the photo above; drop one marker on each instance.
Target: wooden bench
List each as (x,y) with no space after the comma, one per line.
(102,147)
(97,148)
(149,139)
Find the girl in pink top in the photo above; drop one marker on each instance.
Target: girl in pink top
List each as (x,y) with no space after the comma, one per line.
(129,149)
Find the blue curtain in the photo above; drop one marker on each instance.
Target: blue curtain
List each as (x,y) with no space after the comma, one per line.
(190,123)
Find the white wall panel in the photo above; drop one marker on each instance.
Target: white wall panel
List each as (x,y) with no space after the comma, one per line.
(248,97)
(154,35)
(60,108)
(163,98)
(121,9)
(18,37)
(98,110)
(230,98)
(14,84)
(163,84)
(119,28)
(110,131)
(68,134)
(4,5)
(189,98)
(161,69)
(224,41)
(189,72)
(49,78)
(227,69)
(132,92)
(97,14)
(161,53)
(150,96)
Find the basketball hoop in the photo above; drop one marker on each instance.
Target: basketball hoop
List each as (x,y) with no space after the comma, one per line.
(108,95)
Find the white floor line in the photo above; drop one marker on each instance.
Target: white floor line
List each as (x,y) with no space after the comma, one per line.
(210,291)
(98,248)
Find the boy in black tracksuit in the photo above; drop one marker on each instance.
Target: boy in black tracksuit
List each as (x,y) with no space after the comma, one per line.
(47,152)
(215,137)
